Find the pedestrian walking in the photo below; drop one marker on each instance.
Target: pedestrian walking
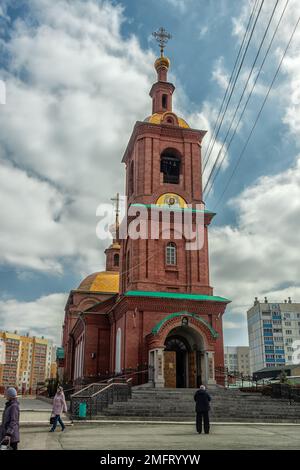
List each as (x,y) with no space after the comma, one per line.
(9,430)
(59,407)
(202,400)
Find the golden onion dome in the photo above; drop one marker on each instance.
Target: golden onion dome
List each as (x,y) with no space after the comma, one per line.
(116,246)
(103,281)
(162,62)
(157,118)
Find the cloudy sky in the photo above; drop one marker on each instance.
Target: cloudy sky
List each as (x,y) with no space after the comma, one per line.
(77,77)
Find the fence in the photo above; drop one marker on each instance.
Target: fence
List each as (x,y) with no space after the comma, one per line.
(97,397)
(286,391)
(139,376)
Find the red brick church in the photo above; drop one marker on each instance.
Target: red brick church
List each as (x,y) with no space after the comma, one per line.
(153,308)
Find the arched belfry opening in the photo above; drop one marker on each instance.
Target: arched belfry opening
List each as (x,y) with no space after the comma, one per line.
(170,166)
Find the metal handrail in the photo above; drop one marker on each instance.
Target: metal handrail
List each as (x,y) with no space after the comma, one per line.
(85,388)
(102,397)
(129,372)
(105,388)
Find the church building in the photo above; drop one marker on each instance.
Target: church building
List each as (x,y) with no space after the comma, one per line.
(153,308)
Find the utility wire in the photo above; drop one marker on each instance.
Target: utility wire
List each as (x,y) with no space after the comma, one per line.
(235,80)
(259,114)
(231,78)
(240,100)
(250,94)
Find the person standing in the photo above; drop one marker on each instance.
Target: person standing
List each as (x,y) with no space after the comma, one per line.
(59,407)
(202,400)
(9,431)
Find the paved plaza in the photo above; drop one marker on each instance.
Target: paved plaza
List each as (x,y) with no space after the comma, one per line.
(149,436)
(30,403)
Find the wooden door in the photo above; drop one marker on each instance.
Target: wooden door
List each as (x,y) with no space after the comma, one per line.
(170,369)
(192,370)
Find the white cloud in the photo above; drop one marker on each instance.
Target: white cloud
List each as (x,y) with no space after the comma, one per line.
(180,5)
(260,254)
(75,88)
(39,318)
(30,236)
(285,91)
(203,31)
(230,325)
(219,74)
(205,119)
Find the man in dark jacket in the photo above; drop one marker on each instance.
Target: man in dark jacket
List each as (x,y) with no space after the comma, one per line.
(202,400)
(9,430)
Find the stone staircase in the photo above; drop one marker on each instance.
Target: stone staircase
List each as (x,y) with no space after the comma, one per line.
(178,405)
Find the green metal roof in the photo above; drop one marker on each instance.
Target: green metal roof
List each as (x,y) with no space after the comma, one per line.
(175,295)
(167,208)
(158,326)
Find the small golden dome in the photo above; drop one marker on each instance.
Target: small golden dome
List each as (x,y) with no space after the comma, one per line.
(116,246)
(162,62)
(104,281)
(157,118)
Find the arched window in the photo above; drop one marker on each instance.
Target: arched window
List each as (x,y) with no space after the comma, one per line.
(171,254)
(131,179)
(118,352)
(165,101)
(128,266)
(116,259)
(170,162)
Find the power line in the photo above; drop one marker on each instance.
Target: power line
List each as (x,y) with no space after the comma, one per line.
(235,80)
(250,94)
(240,100)
(231,78)
(259,114)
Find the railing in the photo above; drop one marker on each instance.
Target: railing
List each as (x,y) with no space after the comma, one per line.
(69,392)
(42,391)
(97,397)
(286,391)
(139,376)
(235,379)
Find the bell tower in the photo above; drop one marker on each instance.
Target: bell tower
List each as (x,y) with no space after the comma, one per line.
(163,173)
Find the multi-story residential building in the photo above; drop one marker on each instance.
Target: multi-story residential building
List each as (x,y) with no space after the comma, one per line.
(236,359)
(272,328)
(26,361)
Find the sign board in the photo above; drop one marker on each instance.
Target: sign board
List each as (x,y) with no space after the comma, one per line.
(60,353)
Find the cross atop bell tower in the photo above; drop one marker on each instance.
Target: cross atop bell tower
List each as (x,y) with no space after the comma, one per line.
(116,200)
(162,37)
(113,251)
(162,91)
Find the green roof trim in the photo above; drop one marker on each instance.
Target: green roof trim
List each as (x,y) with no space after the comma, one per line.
(167,208)
(159,325)
(175,295)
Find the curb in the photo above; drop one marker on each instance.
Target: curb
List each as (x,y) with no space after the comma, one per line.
(214,423)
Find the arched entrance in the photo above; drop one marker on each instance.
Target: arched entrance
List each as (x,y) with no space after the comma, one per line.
(176,354)
(181,351)
(183,358)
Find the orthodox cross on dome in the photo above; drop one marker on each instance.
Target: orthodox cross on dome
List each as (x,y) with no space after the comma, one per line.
(116,200)
(162,37)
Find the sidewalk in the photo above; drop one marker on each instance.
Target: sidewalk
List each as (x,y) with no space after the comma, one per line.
(149,436)
(33,411)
